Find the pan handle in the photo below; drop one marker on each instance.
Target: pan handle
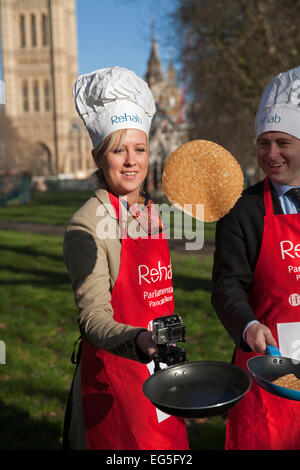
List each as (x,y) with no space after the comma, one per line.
(272,350)
(156,362)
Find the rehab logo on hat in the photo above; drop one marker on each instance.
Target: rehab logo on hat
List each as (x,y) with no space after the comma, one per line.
(271,119)
(126,118)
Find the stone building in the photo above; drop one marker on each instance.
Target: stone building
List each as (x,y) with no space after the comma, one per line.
(39,64)
(39,68)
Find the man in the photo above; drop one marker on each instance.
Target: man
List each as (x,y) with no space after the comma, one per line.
(256,288)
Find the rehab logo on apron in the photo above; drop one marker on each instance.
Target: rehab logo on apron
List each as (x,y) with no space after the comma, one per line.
(262,421)
(117,414)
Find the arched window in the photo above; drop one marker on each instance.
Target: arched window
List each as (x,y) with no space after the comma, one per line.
(47,95)
(22,31)
(36,100)
(45,30)
(33,30)
(25,96)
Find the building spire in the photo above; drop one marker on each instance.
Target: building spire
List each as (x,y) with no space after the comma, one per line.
(154,72)
(171,72)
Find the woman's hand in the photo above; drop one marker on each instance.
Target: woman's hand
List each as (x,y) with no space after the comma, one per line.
(258,336)
(146,344)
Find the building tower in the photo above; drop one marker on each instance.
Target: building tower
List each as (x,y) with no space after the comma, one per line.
(167,131)
(165,89)
(39,65)
(154,75)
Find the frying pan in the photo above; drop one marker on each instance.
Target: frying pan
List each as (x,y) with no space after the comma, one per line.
(265,369)
(197,389)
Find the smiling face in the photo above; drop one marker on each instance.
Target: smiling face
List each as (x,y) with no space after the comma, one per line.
(278,156)
(125,165)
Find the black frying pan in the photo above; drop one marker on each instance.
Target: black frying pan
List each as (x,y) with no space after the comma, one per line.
(197,389)
(265,369)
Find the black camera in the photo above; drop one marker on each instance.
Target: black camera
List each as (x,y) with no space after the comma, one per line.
(166,331)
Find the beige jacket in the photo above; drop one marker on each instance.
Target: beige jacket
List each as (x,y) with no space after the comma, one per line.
(93,262)
(92,257)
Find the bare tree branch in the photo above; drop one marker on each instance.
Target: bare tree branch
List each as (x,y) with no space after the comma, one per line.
(237,46)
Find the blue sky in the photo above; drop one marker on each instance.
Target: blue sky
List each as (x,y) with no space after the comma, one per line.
(118,32)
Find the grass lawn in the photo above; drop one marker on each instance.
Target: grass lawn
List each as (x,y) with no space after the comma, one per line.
(46,208)
(38,326)
(57,207)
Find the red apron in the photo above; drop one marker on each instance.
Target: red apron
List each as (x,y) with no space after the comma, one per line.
(262,421)
(117,415)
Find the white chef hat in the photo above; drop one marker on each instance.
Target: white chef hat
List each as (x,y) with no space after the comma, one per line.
(113,98)
(279,108)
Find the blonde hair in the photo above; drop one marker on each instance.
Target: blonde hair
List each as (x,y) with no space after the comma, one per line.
(112,141)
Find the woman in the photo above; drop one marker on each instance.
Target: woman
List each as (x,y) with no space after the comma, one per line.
(110,244)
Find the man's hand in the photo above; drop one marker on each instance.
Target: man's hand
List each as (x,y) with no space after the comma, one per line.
(258,336)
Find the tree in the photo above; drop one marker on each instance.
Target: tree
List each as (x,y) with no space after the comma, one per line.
(234,48)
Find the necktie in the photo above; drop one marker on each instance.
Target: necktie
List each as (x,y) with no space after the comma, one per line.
(294,194)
